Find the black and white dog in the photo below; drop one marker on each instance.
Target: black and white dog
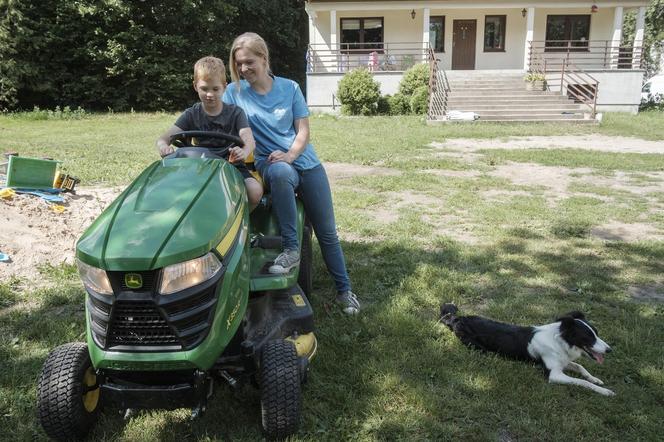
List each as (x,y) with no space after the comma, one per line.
(556,345)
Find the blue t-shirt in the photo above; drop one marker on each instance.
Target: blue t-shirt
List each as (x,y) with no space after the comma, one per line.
(272,116)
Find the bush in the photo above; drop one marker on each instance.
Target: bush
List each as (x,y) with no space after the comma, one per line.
(358,93)
(413,78)
(655,104)
(398,104)
(419,101)
(383,107)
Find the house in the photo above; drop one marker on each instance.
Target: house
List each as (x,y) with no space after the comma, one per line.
(474,47)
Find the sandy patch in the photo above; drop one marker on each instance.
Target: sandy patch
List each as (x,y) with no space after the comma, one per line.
(625,182)
(616,231)
(529,174)
(589,142)
(338,172)
(453,173)
(648,293)
(33,234)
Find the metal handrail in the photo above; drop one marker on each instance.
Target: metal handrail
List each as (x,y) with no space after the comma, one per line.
(579,85)
(439,88)
(379,56)
(590,54)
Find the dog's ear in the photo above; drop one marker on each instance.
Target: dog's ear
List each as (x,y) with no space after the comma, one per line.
(574,315)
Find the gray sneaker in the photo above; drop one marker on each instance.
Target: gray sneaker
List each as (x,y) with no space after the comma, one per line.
(285,262)
(349,302)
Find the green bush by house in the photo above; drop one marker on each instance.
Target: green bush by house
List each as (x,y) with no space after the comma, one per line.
(359,93)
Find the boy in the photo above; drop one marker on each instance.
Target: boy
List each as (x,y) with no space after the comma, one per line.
(211,114)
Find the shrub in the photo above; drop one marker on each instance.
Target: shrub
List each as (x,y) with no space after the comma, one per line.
(419,101)
(654,104)
(413,78)
(399,104)
(383,107)
(358,93)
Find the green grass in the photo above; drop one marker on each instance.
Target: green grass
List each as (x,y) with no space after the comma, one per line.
(394,373)
(603,161)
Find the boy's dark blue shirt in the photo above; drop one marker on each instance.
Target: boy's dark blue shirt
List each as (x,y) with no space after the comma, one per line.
(231,119)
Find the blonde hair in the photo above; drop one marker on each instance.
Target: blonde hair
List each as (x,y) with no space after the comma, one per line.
(209,67)
(252,42)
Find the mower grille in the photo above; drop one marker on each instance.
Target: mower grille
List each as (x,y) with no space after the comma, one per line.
(139,323)
(161,323)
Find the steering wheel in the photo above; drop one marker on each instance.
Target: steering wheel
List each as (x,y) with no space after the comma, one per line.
(185,138)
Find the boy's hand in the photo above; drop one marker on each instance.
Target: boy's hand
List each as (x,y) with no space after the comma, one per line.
(237,154)
(165,150)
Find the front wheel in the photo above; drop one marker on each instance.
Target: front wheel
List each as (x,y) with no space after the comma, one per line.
(68,399)
(281,395)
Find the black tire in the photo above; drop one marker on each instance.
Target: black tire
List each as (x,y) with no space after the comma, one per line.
(67,407)
(281,395)
(305,276)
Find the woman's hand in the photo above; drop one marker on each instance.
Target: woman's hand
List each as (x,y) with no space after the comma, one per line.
(279,155)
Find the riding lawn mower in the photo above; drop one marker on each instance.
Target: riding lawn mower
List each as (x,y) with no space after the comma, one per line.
(179,299)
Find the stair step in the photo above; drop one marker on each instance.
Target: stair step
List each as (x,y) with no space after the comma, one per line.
(502,108)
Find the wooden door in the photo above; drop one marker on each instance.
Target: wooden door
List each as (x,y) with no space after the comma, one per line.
(463,44)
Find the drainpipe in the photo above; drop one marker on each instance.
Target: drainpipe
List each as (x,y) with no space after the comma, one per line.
(638,38)
(530,26)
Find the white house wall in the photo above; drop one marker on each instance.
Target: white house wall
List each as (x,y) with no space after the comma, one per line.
(322,89)
(515,34)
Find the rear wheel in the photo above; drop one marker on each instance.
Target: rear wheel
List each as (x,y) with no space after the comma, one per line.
(305,275)
(68,399)
(281,395)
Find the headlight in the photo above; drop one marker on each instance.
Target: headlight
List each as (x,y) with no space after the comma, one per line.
(93,278)
(187,274)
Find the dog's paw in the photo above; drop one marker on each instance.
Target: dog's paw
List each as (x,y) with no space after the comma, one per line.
(605,391)
(595,380)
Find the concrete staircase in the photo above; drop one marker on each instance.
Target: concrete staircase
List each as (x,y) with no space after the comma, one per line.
(502,96)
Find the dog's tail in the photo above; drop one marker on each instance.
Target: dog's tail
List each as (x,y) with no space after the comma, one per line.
(448,314)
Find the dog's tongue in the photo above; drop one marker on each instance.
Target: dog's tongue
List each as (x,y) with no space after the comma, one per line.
(599,357)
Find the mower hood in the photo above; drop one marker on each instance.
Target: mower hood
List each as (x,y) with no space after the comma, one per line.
(177,209)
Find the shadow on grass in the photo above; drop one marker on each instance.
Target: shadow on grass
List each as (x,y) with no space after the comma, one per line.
(392,372)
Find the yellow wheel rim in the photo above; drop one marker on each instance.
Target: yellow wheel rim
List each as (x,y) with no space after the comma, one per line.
(90,397)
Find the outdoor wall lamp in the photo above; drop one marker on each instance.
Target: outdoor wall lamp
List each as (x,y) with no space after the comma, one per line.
(412,14)
(524,12)
(594,8)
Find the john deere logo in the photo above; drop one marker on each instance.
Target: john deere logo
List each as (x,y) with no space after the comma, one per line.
(133,280)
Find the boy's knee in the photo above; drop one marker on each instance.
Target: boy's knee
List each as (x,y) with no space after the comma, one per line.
(254,192)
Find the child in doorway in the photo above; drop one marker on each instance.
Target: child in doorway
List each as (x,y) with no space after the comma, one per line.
(212,114)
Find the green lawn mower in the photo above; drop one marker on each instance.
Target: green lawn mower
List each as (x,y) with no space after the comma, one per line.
(179,299)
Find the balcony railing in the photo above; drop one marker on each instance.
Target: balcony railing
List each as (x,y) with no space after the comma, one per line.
(377,56)
(585,54)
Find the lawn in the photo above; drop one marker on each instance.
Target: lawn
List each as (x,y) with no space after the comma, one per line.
(420,224)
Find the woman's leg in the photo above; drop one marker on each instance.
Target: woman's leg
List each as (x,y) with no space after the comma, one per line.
(282,180)
(317,198)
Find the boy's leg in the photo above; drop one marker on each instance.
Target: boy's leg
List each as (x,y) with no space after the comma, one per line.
(254,192)
(282,180)
(317,199)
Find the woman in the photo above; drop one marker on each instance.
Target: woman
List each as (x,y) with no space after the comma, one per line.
(278,116)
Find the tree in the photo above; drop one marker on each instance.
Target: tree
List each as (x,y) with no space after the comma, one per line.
(654,33)
(123,54)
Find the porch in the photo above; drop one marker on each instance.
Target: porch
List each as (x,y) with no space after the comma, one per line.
(387,38)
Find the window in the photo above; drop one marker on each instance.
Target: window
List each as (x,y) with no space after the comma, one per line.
(437,33)
(565,31)
(494,33)
(362,33)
